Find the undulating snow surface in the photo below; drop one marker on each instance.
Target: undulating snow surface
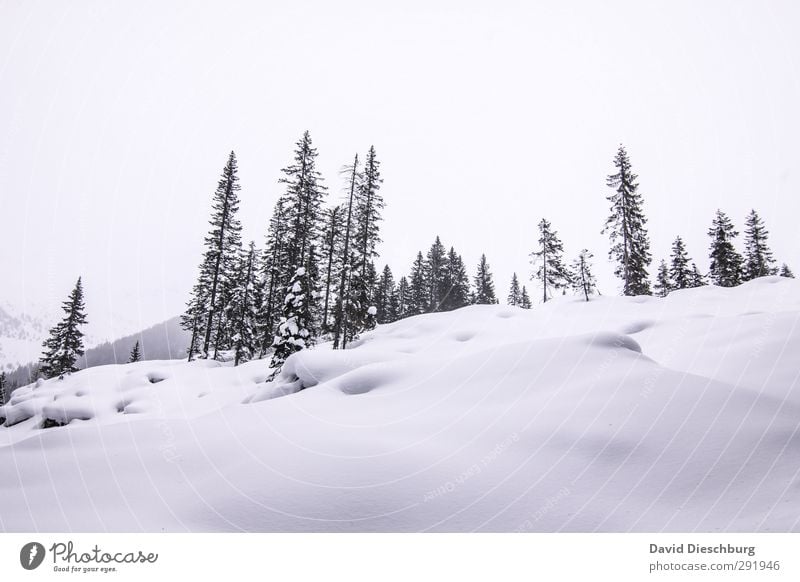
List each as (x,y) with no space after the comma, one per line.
(614,415)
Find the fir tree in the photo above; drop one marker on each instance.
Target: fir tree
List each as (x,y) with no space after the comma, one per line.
(680,274)
(273,276)
(786,271)
(514,293)
(484,285)
(758,260)
(342,328)
(136,354)
(549,258)
(456,282)
(385,297)
(418,296)
(697,279)
(435,273)
(243,310)
(295,330)
(65,344)
(403,298)
(332,235)
(630,245)
(584,280)
(525,300)
(663,283)
(205,312)
(4,388)
(726,262)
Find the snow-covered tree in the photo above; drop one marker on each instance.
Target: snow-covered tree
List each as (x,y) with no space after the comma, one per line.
(484,285)
(435,271)
(295,329)
(663,283)
(273,276)
(680,273)
(514,292)
(333,226)
(697,279)
(630,245)
(65,344)
(583,280)
(136,354)
(403,298)
(785,271)
(758,259)
(204,315)
(525,300)
(342,327)
(386,297)
(418,295)
(548,258)
(726,262)
(4,388)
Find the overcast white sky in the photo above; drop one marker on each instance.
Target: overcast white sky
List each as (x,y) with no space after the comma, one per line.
(116,119)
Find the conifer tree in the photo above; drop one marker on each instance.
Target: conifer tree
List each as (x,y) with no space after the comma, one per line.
(584,280)
(525,300)
(630,245)
(65,344)
(295,329)
(4,388)
(243,310)
(385,297)
(514,293)
(273,276)
(456,282)
(551,270)
(332,235)
(726,262)
(697,279)
(680,273)
(786,271)
(403,298)
(204,315)
(663,284)
(484,285)
(418,296)
(435,272)
(758,259)
(136,354)
(342,327)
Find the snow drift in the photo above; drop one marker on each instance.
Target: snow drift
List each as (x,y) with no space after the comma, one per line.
(618,414)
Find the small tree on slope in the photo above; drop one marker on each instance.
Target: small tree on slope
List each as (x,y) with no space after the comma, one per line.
(786,271)
(679,271)
(551,270)
(584,280)
(295,330)
(65,344)
(136,354)
(663,284)
(758,260)
(514,293)
(525,300)
(484,285)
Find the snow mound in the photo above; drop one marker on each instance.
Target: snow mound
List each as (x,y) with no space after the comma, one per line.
(489,418)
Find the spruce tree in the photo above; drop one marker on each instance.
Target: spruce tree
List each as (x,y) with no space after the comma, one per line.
(786,271)
(525,300)
(295,329)
(456,282)
(332,236)
(136,354)
(65,344)
(697,279)
(418,296)
(403,298)
(243,312)
(273,276)
(4,388)
(342,328)
(726,262)
(551,270)
(680,273)
(435,272)
(583,278)
(204,315)
(514,293)
(758,259)
(385,297)
(663,283)
(630,245)
(484,285)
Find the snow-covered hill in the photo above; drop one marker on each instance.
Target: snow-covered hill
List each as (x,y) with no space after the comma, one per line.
(614,415)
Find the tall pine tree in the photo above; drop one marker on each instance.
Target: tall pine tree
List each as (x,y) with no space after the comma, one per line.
(243,312)
(630,245)
(204,315)
(65,344)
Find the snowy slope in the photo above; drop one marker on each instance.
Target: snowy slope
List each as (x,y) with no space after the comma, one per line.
(614,415)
